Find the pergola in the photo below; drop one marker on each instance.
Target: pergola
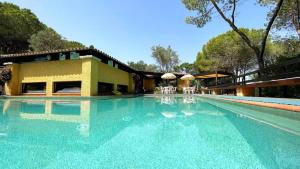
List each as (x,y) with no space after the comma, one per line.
(209,75)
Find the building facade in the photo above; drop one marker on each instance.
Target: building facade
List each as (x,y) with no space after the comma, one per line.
(81,72)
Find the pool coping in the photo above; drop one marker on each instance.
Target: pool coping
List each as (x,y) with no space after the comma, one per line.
(71,97)
(287,107)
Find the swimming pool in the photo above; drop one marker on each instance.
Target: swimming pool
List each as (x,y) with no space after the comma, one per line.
(146,132)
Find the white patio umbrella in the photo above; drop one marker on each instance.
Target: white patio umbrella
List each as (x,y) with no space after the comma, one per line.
(168,76)
(187,77)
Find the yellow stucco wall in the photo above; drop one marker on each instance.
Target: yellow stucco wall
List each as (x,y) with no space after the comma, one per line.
(102,72)
(182,83)
(88,70)
(49,72)
(13,86)
(149,84)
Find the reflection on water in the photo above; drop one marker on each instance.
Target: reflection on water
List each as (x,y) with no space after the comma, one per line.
(189,99)
(52,110)
(33,107)
(169,114)
(3,126)
(84,129)
(133,133)
(69,107)
(188,113)
(167,100)
(186,99)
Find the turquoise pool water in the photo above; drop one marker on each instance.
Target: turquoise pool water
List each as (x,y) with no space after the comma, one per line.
(146,133)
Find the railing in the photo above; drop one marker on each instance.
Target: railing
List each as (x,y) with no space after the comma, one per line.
(287,69)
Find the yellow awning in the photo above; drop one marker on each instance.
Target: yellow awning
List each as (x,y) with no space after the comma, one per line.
(213,75)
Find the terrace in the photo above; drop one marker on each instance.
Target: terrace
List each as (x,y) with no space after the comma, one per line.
(284,74)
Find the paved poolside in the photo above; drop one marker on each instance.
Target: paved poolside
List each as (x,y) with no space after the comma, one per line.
(279,103)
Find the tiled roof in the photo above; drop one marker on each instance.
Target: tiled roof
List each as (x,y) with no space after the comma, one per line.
(41,52)
(21,55)
(18,55)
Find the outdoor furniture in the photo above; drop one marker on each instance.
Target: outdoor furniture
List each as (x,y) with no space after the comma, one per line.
(184,90)
(192,90)
(170,89)
(167,90)
(188,90)
(162,91)
(174,90)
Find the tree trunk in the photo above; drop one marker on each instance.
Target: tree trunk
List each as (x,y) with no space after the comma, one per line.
(298,18)
(266,34)
(260,61)
(258,51)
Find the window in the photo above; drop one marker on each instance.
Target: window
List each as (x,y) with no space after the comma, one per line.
(62,56)
(110,63)
(43,58)
(116,65)
(34,87)
(67,87)
(105,88)
(74,55)
(122,88)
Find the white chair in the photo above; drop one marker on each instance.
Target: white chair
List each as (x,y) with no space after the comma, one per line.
(166,90)
(192,90)
(174,90)
(189,90)
(184,90)
(161,90)
(171,89)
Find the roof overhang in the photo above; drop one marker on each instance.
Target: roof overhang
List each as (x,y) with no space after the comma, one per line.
(26,57)
(153,75)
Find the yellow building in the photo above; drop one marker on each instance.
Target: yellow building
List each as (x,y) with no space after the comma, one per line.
(75,72)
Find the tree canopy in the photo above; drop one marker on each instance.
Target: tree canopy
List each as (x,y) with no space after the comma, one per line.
(227,10)
(16,27)
(287,47)
(288,17)
(230,53)
(186,68)
(142,66)
(72,44)
(48,39)
(21,31)
(166,58)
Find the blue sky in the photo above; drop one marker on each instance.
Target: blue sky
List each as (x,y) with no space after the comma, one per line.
(127,29)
